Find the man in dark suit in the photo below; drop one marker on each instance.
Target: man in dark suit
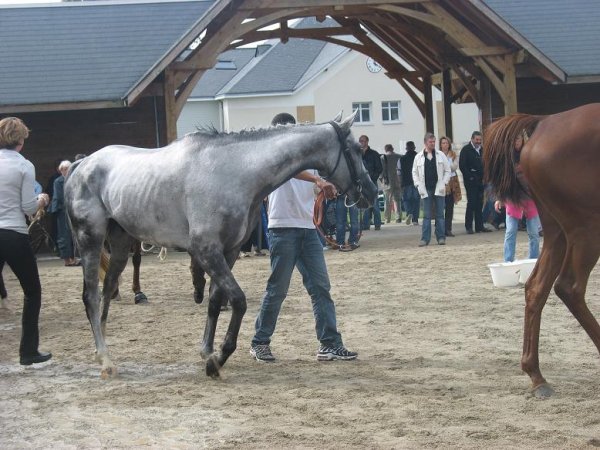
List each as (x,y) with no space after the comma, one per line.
(472,169)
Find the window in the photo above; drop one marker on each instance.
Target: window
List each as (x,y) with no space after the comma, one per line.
(390,111)
(364,112)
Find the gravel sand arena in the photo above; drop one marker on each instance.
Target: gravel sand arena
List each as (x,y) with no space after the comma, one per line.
(439,350)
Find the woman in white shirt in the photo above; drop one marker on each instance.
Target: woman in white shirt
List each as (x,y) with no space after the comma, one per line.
(17,198)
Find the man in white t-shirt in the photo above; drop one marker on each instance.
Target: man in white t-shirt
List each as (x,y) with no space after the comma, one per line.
(293,241)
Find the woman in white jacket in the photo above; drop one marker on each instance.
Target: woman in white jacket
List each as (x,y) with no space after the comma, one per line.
(431,173)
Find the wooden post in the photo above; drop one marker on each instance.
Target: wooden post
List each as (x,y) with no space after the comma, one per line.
(447,101)
(486,102)
(428,103)
(170,106)
(510,83)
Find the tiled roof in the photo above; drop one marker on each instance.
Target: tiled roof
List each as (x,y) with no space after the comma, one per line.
(567,32)
(78,52)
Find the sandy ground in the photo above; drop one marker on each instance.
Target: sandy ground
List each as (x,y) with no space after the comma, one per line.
(438,368)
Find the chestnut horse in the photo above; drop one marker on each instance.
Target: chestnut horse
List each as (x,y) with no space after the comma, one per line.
(560,165)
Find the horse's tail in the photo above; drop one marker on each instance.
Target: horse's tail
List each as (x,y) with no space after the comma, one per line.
(104,262)
(498,163)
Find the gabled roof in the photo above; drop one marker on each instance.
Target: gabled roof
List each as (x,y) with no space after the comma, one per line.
(566,32)
(229,64)
(282,69)
(86,52)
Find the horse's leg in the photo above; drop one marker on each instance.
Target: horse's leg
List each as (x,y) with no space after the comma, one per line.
(136,259)
(3,293)
(120,243)
(90,240)
(215,297)
(198,280)
(582,256)
(537,289)
(218,267)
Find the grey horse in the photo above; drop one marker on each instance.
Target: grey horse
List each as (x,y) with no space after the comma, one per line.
(201,193)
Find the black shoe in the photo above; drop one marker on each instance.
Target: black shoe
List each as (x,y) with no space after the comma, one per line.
(38,357)
(485,230)
(449,234)
(470,232)
(377,227)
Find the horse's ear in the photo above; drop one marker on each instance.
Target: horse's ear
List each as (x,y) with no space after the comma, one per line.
(338,117)
(348,121)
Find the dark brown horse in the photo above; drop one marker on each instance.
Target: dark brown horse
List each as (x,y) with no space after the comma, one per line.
(560,164)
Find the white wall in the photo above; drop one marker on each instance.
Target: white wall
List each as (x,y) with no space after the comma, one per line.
(197,114)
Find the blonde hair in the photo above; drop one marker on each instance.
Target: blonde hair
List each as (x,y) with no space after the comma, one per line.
(64,164)
(12,132)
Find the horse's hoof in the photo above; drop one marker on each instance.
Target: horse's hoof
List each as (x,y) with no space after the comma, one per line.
(198,296)
(543,391)
(213,368)
(108,373)
(140,298)
(205,353)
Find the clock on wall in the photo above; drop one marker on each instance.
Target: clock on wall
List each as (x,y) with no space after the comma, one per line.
(373,65)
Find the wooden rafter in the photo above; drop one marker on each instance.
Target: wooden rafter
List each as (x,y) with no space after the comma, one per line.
(428,34)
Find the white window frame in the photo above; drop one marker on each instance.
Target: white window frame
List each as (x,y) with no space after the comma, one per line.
(363,106)
(389,106)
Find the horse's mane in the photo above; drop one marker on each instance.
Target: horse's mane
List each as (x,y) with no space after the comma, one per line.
(499,167)
(246,135)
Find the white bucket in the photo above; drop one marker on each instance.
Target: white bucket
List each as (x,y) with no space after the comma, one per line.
(527,266)
(505,274)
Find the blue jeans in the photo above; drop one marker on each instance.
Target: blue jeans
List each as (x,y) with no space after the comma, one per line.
(366,223)
(440,224)
(341,215)
(412,202)
(510,237)
(298,247)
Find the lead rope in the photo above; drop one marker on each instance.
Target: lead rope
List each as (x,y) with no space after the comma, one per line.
(162,255)
(36,218)
(319,217)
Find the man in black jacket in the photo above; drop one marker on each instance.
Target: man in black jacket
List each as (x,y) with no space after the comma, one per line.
(410,195)
(372,162)
(471,166)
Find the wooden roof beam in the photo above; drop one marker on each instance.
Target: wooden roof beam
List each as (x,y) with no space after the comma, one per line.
(467,82)
(416,57)
(431,19)
(309,33)
(339,5)
(462,36)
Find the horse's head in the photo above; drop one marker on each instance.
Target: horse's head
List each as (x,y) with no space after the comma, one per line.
(348,172)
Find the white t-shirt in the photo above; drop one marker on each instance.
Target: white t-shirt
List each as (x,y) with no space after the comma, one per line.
(291,205)
(17,196)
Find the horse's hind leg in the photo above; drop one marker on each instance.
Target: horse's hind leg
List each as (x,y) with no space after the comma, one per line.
(136,259)
(198,280)
(537,289)
(3,293)
(582,256)
(218,268)
(120,243)
(90,239)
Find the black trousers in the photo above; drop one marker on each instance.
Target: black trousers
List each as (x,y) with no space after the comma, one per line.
(16,251)
(474,207)
(449,212)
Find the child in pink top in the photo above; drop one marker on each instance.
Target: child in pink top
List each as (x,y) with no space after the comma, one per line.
(514,213)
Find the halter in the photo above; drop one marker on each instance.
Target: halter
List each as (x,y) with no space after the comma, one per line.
(345,150)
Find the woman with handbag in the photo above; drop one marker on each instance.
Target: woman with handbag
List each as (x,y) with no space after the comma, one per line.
(453,192)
